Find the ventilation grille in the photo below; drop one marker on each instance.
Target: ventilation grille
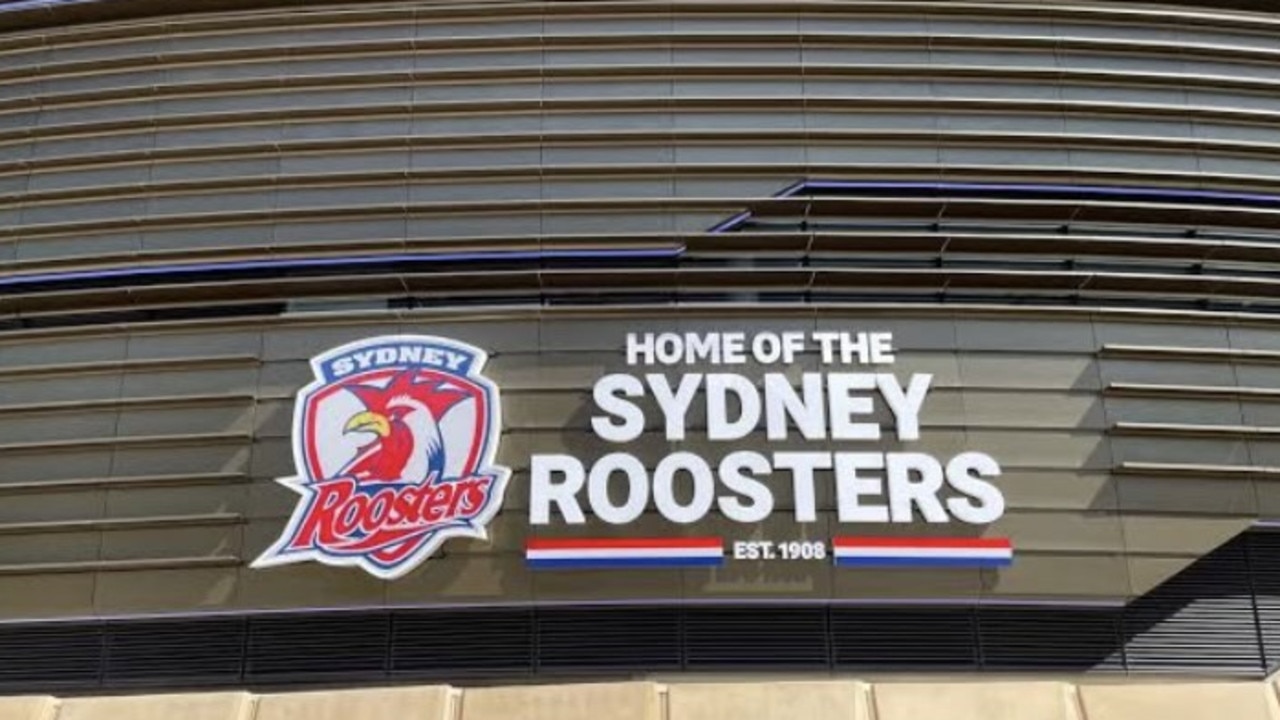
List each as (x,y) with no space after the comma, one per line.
(779,638)
(155,653)
(1201,622)
(462,643)
(307,646)
(609,640)
(1220,616)
(904,639)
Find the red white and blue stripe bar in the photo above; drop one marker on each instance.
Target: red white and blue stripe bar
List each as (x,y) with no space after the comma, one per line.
(598,553)
(921,552)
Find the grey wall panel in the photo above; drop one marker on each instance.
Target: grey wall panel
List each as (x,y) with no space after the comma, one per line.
(1051,436)
(52,506)
(380,74)
(313,134)
(72,464)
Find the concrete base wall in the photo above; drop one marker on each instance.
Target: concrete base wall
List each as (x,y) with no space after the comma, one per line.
(830,700)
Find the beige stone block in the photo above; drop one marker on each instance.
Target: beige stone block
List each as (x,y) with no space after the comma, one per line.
(27,708)
(207,706)
(1176,701)
(973,701)
(616,701)
(411,703)
(767,701)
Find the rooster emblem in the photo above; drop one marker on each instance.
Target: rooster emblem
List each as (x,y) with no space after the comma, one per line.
(394,443)
(403,418)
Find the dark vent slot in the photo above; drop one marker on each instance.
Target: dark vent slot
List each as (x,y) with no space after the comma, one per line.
(316,646)
(1201,620)
(761,637)
(182,651)
(867,638)
(462,643)
(609,639)
(1264,570)
(1063,639)
(50,656)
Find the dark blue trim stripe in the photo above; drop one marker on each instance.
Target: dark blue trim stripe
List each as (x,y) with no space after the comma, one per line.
(354,261)
(1034,190)
(1097,192)
(922,562)
(14,5)
(609,563)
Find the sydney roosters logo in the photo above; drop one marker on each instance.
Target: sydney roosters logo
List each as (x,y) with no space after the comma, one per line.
(394,443)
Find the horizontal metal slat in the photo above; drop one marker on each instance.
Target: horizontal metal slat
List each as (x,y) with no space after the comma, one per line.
(121,524)
(1173,353)
(123,482)
(462,642)
(1196,470)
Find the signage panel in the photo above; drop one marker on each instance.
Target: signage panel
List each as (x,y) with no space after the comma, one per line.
(395,439)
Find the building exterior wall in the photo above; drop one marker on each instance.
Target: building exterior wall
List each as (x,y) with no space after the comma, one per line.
(164,461)
(171,183)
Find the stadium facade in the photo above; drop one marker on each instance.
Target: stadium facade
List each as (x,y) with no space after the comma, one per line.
(346,343)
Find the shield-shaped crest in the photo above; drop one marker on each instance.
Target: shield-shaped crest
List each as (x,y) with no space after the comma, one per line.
(394,443)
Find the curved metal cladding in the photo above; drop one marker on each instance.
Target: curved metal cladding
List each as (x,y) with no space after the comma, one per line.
(1066,214)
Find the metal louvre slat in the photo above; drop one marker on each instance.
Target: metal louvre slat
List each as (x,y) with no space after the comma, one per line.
(196,651)
(1263,550)
(51,656)
(592,640)
(313,646)
(462,643)
(885,638)
(1065,639)
(266,56)
(1201,620)
(724,638)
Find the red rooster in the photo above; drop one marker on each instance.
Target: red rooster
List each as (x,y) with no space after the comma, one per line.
(405,417)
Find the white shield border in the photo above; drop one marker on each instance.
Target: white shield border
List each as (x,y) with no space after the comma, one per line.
(274,556)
